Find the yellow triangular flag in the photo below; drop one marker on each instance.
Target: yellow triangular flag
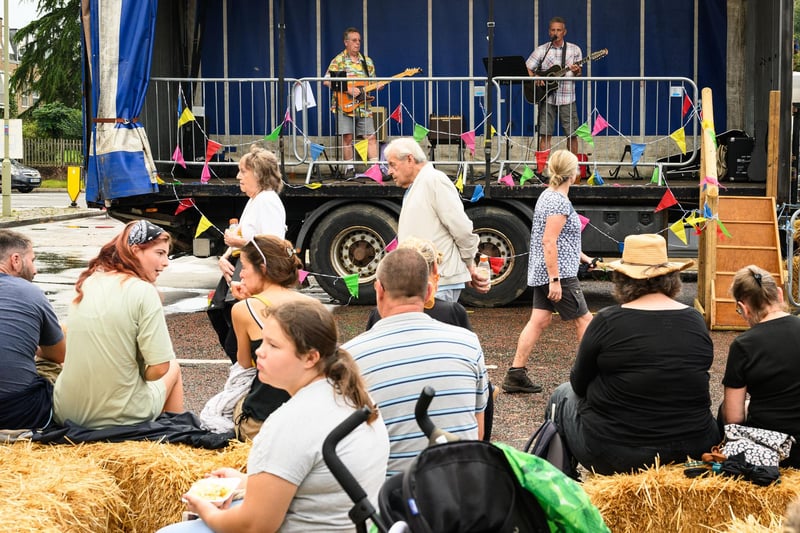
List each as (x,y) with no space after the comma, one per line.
(312,186)
(185,117)
(679,230)
(362,147)
(492,131)
(160,181)
(460,182)
(203,225)
(679,136)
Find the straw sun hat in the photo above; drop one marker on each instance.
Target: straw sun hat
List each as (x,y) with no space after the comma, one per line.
(645,256)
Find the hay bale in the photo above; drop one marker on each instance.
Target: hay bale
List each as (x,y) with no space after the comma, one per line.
(752,525)
(663,499)
(50,488)
(152,476)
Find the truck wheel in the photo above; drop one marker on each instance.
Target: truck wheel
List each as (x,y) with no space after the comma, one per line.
(351,240)
(25,189)
(502,234)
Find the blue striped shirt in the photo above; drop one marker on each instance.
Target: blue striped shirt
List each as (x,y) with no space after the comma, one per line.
(403,353)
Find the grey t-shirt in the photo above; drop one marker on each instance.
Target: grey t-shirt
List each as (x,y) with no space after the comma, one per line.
(289,446)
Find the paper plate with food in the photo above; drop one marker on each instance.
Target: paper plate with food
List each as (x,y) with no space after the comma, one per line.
(214,489)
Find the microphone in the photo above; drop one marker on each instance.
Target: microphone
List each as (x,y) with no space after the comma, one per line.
(553,38)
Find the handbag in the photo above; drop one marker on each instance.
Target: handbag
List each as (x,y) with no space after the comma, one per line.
(761,447)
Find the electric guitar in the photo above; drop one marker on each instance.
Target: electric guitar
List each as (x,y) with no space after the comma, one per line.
(348,103)
(536,93)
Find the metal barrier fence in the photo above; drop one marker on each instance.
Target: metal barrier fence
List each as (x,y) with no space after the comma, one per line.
(635,124)
(52,152)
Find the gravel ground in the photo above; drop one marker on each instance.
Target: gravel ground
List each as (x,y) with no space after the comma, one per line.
(516,415)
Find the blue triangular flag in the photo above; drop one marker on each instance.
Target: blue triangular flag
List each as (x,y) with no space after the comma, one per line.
(636,152)
(477,193)
(180,105)
(707,211)
(316,150)
(621,246)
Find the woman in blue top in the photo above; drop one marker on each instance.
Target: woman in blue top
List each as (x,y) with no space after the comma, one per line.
(553,262)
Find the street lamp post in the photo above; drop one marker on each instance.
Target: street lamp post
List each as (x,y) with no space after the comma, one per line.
(6,117)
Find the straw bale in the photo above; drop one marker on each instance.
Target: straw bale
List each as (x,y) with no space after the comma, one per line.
(52,489)
(663,499)
(153,476)
(752,525)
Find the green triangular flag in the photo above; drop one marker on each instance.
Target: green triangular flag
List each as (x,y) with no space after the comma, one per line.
(351,282)
(654,179)
(275,134)
(584,133)
(723,228)
(420,132)
(526,175)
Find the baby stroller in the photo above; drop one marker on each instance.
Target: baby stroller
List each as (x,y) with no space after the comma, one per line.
(452,486)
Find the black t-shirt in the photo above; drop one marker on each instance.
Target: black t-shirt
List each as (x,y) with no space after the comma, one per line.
(644,376)
(766,360)
(448,312)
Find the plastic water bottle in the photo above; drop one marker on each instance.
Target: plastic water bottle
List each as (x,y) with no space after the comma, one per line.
(483,268)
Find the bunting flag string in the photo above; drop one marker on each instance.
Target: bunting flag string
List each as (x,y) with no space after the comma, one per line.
(527,174)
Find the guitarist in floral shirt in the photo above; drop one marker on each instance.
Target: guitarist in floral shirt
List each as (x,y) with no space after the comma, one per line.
(353,112)
(557,98)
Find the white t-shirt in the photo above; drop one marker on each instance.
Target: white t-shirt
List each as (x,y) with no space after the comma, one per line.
(263,214)
(289,446)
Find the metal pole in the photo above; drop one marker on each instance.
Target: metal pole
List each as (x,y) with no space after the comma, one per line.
(6,117)
(487,138)
(281,81)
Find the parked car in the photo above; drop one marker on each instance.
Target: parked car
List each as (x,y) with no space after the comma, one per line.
(23,179)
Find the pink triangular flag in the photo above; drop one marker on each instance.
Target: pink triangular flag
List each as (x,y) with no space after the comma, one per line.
(599,124)
(205,176)
(302,275)
(374,172)
(508,179)
(177,156)
(584,221)
(391,246)
(212,147)
(287,117)
(469,140)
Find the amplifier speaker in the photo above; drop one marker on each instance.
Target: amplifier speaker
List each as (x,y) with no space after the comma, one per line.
(739,151)
(381,126)
(445,129)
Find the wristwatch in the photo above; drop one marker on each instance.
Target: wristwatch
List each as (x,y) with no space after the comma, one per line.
(554,279)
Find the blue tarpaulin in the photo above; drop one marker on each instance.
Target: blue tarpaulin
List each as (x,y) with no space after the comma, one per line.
(118,36)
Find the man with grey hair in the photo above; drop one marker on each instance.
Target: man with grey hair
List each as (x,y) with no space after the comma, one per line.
(28,327)
(407,349)
(433,210)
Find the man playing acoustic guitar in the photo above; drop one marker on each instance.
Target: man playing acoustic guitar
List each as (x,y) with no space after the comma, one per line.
(560,99)
(353,113)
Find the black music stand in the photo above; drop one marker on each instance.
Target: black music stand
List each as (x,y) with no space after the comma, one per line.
(503,66)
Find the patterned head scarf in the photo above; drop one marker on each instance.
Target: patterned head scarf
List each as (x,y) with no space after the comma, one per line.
(142,232)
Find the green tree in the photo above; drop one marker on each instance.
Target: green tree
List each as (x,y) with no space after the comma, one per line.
(51,62)
(56,120)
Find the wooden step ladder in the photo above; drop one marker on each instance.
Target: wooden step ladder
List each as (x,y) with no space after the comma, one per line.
(753,225)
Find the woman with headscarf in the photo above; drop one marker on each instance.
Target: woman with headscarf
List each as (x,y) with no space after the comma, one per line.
(120,368)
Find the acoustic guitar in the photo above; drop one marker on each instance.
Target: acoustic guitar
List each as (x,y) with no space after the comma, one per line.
(348,103)
(536,93)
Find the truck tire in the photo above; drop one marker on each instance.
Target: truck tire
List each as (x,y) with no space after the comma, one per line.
(351,240)
(505,234)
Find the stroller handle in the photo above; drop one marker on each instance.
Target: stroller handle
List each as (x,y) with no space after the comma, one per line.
(421,410)
(336,466)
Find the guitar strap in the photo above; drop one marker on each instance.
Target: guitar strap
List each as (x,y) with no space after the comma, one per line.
(564,55)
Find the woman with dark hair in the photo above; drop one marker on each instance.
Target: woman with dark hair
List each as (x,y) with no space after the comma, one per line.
(288,486)
(763,362)
(639,386)
(269,276)
(120,368)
